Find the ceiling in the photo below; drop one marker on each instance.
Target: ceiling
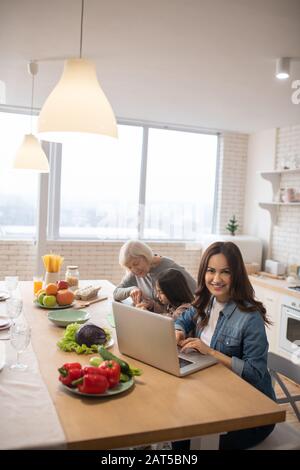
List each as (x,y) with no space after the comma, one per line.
(200,63)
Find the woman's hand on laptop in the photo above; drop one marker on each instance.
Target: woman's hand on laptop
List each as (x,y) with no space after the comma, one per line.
(194,343)
(136,295)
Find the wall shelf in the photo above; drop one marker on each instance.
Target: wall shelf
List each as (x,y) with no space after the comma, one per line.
(264,174)
(274,177)
(272,208)
(279,204)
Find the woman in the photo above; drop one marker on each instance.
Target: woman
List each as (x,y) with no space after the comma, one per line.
(143,268)
(229,324)
(173,292)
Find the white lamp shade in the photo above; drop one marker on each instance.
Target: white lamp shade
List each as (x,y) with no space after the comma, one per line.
(30,156)
(283,68)
(76,105)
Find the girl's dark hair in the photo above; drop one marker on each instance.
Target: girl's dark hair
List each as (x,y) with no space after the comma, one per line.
(175,287)
(241,290)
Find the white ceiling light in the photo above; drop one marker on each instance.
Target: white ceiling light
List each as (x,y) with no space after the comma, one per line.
(283,68)
(77,104)
(30,156)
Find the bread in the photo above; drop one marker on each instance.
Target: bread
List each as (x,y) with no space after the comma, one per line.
(86,293)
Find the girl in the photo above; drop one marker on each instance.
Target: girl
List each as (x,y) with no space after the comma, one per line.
(173,292)
(229,324)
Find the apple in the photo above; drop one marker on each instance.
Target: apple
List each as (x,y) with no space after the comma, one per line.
(62,285)
(64,297)
(40,298)
(49,300)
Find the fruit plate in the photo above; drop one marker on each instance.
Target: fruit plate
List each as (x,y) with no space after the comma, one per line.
(66,317)
(56,307)
(120,388)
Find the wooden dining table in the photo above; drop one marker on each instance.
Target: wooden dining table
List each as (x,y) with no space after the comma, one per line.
(159,407)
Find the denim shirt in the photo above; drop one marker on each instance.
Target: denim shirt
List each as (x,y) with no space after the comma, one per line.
(241,336)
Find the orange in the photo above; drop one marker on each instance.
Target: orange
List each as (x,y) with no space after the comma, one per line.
(51,289)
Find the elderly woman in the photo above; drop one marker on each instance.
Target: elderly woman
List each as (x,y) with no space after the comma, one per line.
(143,267)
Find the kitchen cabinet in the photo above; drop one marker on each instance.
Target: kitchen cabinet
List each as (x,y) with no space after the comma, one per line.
(272,303)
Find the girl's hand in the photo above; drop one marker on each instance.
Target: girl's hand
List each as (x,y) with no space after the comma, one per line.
(195,343)
(136,295)
(145,305)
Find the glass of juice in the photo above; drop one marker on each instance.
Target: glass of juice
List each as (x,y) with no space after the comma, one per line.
(37,284)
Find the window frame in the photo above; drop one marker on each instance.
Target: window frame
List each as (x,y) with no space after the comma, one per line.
(50,186)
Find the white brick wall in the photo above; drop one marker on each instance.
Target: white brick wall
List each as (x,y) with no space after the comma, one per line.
(232,180)
(286,233)
(17,258)
(96,260)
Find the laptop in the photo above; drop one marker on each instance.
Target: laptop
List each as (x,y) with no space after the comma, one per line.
(150,338)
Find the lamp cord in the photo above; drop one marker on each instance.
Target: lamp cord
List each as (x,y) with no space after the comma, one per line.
(31,110)
(81,27)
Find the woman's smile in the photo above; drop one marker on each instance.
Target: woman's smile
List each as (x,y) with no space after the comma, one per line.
(218,278)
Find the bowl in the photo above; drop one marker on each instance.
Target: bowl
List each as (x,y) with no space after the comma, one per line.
(66,317)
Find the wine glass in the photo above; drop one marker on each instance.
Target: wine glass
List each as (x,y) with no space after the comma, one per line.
(19,339)
(14,308)
(11,283)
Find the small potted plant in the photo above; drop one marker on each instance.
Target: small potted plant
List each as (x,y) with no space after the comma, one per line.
(232,225)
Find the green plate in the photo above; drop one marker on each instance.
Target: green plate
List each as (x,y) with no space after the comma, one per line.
(65,317)
(56,307)
(120,388)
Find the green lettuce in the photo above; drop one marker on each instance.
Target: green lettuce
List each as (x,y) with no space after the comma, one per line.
(68,343)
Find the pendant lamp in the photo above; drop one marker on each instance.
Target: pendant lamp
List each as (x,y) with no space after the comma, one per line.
(77,104)
(30,156)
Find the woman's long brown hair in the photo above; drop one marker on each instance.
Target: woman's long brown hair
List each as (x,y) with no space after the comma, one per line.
(241,290)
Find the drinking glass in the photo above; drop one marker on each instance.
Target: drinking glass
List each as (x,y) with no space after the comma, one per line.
(19,339)
(14,308)
(37,284)
(11,283)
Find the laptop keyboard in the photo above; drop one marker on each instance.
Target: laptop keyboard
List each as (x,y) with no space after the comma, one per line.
(184,362)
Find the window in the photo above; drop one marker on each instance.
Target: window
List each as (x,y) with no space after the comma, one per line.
(100,187)
(180,184)
(18,189)
(151,183)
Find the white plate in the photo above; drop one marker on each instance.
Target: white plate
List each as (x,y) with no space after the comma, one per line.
(4,296)
(5,323)
(109,344)
(2,355)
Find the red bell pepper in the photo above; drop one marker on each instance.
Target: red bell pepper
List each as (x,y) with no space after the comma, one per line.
(70,372)
(111,370)
(72,365)
(91,370)
(93,384)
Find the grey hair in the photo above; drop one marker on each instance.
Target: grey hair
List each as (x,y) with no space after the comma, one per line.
(133,249)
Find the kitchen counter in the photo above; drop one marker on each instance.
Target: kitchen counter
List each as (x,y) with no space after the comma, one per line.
(277,285)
